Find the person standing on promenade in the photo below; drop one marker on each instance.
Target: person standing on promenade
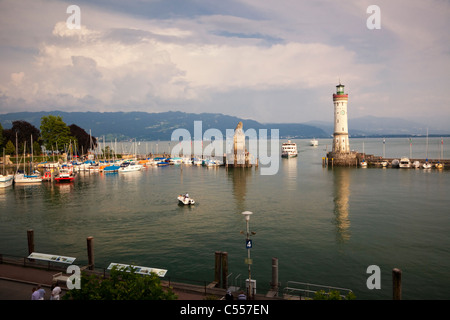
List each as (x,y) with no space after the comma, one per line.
(35,294)
(41,292)
(229,296)
(56,291)
(242,296)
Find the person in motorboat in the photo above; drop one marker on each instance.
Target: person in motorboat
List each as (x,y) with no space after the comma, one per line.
(185,199)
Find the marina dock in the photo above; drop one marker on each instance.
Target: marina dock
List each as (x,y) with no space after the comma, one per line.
(377,161)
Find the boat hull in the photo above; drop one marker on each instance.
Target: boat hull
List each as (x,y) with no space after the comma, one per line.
(112,168)
(64,179)
(426,166)
(185,201)
(6,181)
(289,155)
(405,163)
(23,179)
(162,164)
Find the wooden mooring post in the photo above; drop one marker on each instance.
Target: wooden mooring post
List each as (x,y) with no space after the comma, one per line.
(90,250)
(224,270)
(217,267)
(220,270)
(274,285)
(30,238)
(397,284)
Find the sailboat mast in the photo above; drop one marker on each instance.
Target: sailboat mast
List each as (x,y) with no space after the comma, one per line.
(24,158)
(17,154)
(31,148)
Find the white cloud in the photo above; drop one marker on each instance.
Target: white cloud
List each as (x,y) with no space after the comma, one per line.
(287,56)
(16,78)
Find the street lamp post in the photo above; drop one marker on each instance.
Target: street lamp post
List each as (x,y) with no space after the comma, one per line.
(248,246)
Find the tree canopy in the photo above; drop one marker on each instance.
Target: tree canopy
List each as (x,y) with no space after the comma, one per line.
(9,148)
(85,141)
(121,285)
(24,132)
(55,133)
(1,136)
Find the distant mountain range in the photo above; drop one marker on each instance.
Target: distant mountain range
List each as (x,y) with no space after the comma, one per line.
(371,126)
(159,126)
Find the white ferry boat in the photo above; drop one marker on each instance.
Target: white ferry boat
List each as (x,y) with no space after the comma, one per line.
(314,142)
(289,149)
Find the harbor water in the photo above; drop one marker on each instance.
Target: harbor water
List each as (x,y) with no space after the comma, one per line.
(326,226)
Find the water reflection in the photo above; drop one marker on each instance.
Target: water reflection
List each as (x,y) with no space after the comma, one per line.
(238,177)
(341,183)
(23,192)
(290,172)
(64,188)
(3,193)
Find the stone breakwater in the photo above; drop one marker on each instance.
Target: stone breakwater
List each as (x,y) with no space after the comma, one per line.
(354,159)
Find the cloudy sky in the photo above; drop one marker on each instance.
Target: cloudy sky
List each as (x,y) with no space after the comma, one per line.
(271,61)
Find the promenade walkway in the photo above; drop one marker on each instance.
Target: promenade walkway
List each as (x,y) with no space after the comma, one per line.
(16,283)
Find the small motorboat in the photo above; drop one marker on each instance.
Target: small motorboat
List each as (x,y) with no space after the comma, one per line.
(426,165)
(47,176)
(185,199)
(363,164)
(65,174)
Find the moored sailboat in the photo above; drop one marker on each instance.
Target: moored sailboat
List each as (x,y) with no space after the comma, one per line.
(6,180)
(32,177)
(426,165)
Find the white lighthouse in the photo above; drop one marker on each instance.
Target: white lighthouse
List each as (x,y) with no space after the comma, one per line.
(340,137)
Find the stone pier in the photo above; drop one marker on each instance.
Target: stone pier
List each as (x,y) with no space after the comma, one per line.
(342,159)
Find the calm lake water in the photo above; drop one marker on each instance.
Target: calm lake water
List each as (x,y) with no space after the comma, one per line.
(326,226)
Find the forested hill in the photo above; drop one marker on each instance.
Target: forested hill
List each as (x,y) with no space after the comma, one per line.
(157,126)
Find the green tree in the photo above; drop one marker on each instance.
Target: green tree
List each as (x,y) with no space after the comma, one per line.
(121,285)
(23,132)
(55,133)
(36,148)
(10,149)
(85,141)
(333,295)
(1,136)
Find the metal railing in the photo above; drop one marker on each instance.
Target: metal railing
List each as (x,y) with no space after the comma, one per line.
(204,286)
(305,290)
(176,282)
